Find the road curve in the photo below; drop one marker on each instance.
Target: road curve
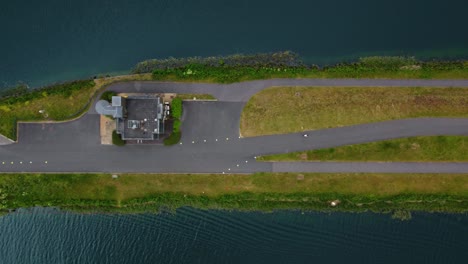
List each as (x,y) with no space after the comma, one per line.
(214,147)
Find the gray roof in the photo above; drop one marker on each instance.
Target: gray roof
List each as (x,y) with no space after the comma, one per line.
(116,101)
(104,108)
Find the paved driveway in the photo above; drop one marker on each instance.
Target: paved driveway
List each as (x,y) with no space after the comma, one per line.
(210,141)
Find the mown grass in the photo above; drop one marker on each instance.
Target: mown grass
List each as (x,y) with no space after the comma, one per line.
(196,96)
(260,191)
(430,148)
(279,110)
(59,102)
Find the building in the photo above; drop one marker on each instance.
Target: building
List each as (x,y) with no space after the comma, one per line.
(137,117)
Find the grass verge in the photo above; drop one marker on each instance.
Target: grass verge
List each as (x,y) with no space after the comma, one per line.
(279,110)
(430,148)
(259,191)
(196,96)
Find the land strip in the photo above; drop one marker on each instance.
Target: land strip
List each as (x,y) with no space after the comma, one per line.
(280,110)
(259,191)
(434,148)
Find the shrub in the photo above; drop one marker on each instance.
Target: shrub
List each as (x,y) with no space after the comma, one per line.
(176,126)
(173,138)
(107,95)
(117,139)
(176,107)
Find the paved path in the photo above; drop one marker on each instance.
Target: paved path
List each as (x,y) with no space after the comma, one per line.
(210,141)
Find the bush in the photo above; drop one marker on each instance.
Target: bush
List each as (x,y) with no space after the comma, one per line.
(176,126)
(176,107)
(107,95)
(173,138)
(117,139)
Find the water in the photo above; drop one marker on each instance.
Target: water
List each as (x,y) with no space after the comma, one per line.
(196,236)
(53,40)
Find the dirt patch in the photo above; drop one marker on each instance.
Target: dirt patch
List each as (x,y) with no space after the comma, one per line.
(106,128)
(303,156)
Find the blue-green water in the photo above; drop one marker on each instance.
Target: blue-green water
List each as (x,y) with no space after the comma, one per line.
(196,236)
(54,40)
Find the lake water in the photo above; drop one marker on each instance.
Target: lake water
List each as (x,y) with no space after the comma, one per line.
(197,236)
(54,40)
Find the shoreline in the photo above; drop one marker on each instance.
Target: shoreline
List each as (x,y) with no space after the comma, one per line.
(324,192)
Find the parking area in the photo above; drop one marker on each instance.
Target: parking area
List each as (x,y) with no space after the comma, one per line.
(210,120)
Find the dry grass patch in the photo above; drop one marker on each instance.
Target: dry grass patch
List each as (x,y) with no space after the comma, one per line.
(280,110)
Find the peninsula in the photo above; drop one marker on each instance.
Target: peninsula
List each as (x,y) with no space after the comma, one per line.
(234,111)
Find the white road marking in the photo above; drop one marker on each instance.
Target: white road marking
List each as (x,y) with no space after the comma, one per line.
(216,140)
(227,138)
(237,165)
(204,140)
(45,162)
(193,142)
(246,161)
(30,162)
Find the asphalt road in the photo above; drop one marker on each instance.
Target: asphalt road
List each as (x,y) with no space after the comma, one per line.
(210,141)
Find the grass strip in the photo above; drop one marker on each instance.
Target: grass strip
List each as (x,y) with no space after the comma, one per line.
(259,191)
(280,110)
(428,148)
(196,96)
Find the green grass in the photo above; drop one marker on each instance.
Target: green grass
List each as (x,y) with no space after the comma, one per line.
(173,138)
(279,110)
(368,67)
(259,191)
(176,108)
(197,96)
(117,139)
(429,148)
